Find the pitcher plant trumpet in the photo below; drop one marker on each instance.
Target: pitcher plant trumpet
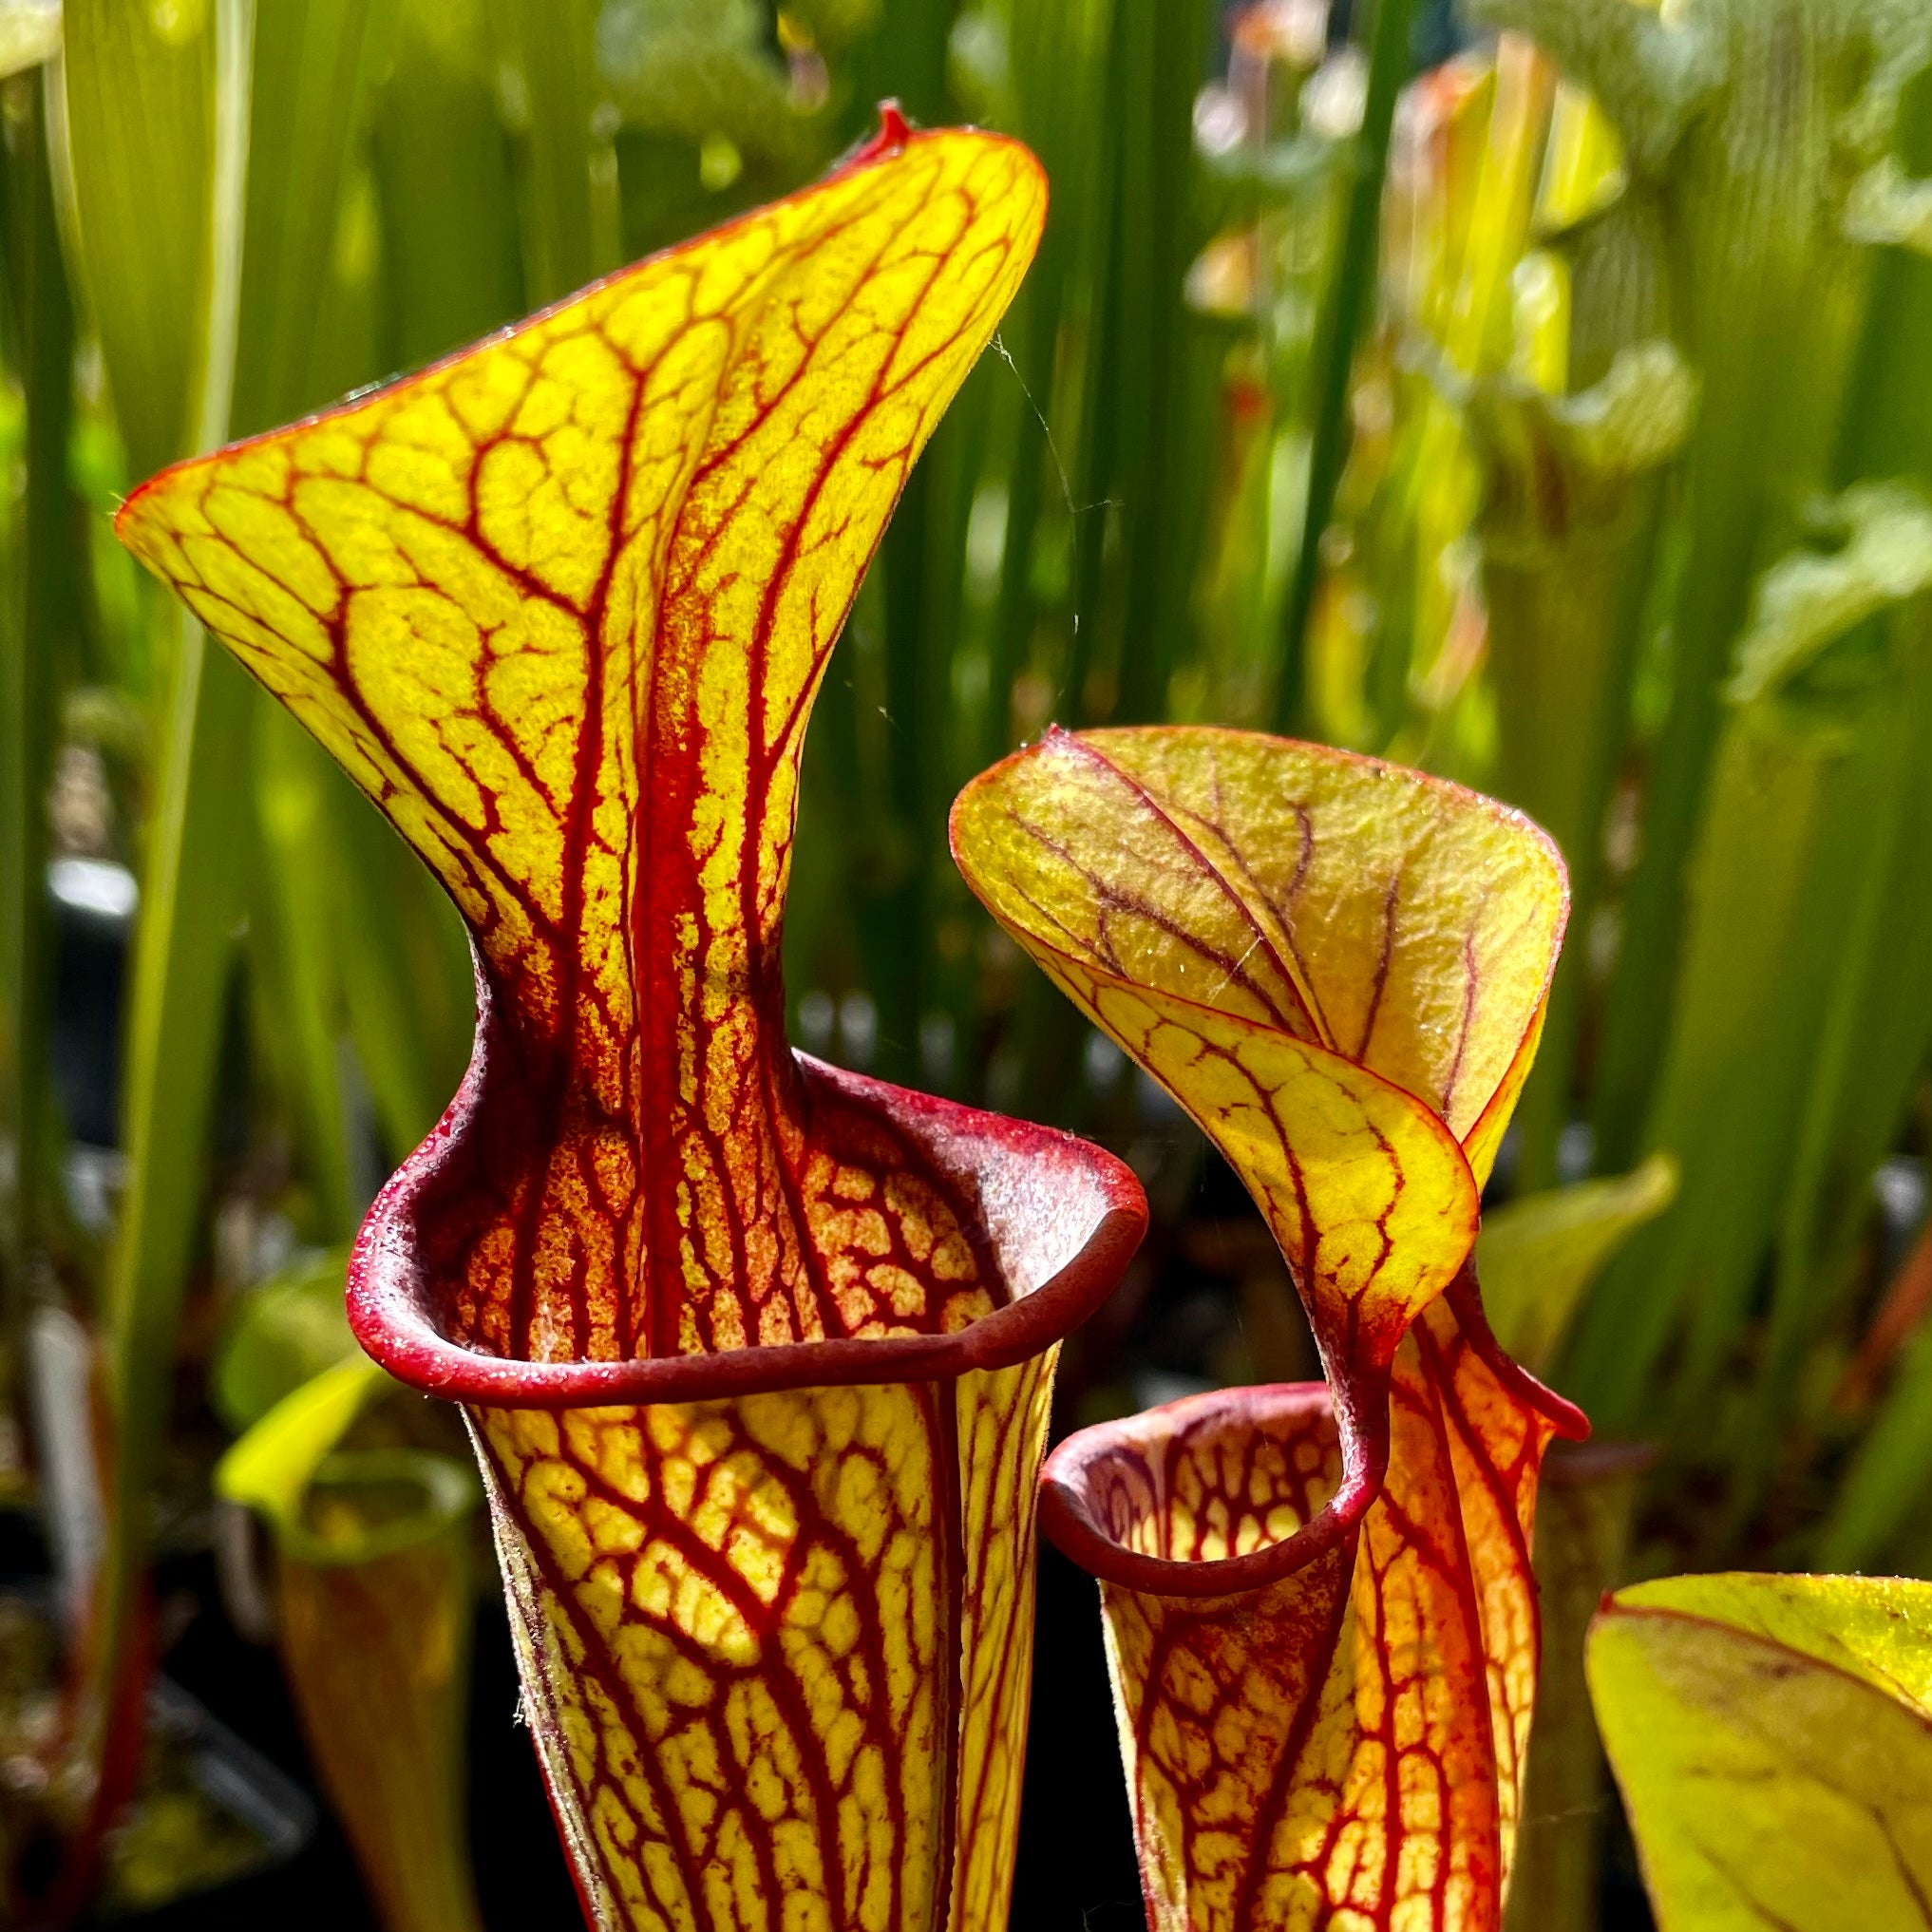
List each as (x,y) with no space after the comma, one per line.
(756,1353)
(1320,1616)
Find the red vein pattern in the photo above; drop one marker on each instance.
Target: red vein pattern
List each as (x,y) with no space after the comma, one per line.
(757,1353)
(1320,1612)
(783,1652)
(1341,1748)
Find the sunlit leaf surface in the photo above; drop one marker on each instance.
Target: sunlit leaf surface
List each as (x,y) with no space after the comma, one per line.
(1321,1614)
(561,605)
(1772,1737)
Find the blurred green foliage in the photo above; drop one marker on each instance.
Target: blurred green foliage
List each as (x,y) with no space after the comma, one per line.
(1561,426)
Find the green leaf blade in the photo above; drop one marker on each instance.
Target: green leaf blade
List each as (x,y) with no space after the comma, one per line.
(1772,1738)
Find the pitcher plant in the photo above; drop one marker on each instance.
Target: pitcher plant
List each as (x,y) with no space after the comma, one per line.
(756,1353)
(1321,1617)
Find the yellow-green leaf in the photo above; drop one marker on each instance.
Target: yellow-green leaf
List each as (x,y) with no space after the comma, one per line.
(1538,1255)
(374,1599)
(1773,1737)
(286,1332)
(270,1467)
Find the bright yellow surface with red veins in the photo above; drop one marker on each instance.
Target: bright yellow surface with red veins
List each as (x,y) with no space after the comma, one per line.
(560,605)
(783,1647)
(1339,1748)
(1339,969)
(1336,967)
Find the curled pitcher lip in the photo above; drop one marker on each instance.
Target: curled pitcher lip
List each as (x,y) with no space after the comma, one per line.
(1063,1216)
(1074,1486)
(1074,1489)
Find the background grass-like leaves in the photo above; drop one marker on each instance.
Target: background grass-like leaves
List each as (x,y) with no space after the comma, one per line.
(1569,443)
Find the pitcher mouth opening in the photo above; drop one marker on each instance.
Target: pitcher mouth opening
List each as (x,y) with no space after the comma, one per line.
(1081,1510)
(1061,1217)
(1088,1514)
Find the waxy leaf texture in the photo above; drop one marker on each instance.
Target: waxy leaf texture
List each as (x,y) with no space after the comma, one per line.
(1320,1612)
(1773,1737)
(757,1353)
